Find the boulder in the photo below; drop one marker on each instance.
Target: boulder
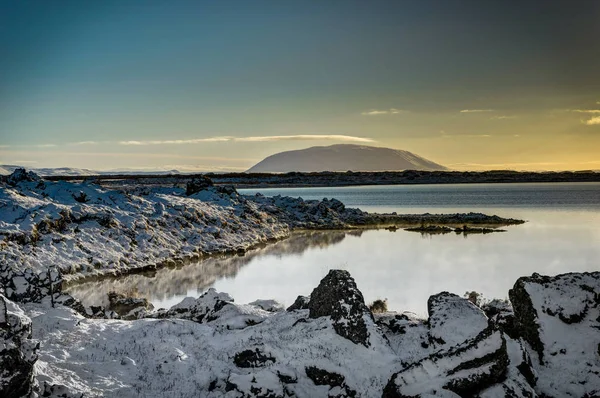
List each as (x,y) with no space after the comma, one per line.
(501,315)
(559,319)
(338,297)
(18,352)
(128,308)
(197,184)
(453,319)
(301,303)
(336,382)
(22,175)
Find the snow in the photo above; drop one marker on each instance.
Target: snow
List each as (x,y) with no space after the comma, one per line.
(570,366)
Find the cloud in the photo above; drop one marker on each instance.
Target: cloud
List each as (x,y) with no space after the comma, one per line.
(467,135)
(176,142)
(593,121)
(84,143)
(300,137)
(445,135)
(391,111)
(306,137)
(586,110)
(45,145)
(502,117)
(476,110)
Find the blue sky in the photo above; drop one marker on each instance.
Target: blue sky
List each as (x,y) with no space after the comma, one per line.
(204,85)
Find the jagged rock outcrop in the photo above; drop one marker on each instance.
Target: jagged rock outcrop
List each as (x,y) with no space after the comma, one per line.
(500,314)
(22,175)
(559,318)
(338,297)
(18,352)
(453,319)
(198,184)
(301,303)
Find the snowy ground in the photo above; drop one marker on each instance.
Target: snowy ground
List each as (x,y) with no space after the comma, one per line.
(329,344)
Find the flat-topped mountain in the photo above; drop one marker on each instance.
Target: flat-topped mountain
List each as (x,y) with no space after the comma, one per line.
(344,157)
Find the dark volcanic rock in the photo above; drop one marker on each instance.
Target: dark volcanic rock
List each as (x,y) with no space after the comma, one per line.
(338,297)
(324,378)
(252,359)
(500,314)
(197,184)
(18,352)
(22,175)
(301,303)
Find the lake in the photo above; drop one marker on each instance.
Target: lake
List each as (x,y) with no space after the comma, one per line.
(562,235)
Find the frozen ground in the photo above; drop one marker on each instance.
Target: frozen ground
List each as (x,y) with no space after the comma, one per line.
(326,345)
(547,343)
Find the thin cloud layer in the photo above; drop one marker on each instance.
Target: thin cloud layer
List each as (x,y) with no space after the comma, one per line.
(269,138)
(586,110)
(502,117)
(375,112)
(176,142)
(476,110)
(305,137)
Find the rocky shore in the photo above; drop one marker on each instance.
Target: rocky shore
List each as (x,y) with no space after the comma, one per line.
(544,342)
(54,232)
(331,179)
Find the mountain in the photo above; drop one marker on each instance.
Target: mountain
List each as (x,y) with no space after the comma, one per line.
(49,171)
(6,169)
(344,157)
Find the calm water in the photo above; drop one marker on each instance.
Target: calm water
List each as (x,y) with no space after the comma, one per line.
(562,235)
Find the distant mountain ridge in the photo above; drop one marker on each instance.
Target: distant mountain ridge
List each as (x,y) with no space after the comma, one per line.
(6,169)
(344,157)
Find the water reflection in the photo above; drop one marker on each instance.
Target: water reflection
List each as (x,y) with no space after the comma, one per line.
(168,286)
(404,267)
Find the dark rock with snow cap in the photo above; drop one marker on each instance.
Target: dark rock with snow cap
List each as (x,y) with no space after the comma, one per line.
(338,297)
(334,380)
(18,352)
(500,314)
(453,319)
(559,318)
(197,184)
(20,175)
(301,303)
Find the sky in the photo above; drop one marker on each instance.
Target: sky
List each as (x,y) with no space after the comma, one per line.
(219,85)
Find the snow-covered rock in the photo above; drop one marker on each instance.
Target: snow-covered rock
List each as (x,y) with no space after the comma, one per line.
(453,319)
(213,347)
(559,319)
(464,370)
(18,352)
